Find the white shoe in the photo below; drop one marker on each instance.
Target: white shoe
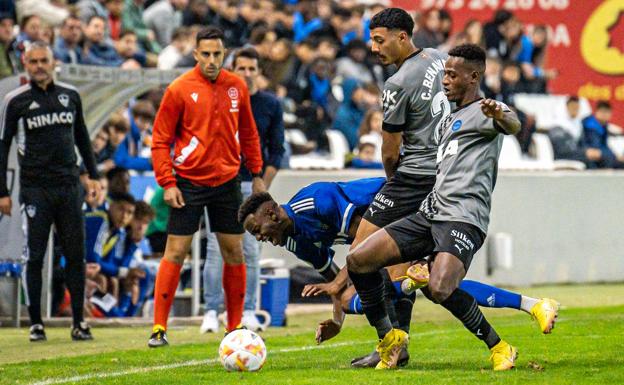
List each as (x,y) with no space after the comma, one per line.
(250,321)
(210,324)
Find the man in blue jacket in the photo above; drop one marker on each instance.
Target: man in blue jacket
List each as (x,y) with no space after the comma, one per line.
(595,136)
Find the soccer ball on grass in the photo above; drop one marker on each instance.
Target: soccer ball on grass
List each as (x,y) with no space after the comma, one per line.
(242,351)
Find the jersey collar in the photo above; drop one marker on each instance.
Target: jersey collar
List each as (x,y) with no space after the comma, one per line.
(466,105)
(291,214)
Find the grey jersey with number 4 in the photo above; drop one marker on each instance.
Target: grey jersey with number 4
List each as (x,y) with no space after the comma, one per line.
(467,168)
(414,104)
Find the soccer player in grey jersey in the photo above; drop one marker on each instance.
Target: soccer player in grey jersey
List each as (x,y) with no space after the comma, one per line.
(453,219)
(413,104)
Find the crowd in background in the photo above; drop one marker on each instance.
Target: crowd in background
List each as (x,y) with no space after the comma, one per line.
(314,56)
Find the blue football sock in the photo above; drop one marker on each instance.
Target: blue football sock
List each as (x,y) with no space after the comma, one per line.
(491,296)
(355,305)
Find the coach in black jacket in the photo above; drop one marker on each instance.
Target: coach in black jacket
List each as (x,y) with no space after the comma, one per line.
(46,119)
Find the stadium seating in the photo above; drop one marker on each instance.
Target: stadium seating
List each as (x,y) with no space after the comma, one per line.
(335,160)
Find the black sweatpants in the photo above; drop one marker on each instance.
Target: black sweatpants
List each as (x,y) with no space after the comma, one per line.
(41,207)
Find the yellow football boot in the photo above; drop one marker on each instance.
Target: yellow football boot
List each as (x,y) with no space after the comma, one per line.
(545,313)
(389,348)
(503,356)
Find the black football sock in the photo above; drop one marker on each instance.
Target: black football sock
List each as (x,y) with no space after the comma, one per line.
(464,307)
(403,309)
(370,287)
(389,298)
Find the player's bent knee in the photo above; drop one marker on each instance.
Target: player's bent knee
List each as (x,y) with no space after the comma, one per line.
(439,291)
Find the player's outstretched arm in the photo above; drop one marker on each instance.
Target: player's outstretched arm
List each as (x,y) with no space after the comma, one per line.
(330,288)
(503,116)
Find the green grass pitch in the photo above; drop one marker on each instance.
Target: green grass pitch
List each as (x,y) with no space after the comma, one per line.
(585,348)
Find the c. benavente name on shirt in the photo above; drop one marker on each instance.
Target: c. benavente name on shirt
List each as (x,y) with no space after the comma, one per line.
(430,77)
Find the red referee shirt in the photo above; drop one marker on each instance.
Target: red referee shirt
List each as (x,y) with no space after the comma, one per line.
(202,119)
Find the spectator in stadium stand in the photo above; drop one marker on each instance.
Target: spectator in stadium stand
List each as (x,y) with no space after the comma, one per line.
(365,158)
(495,33)
(67,45)
(97,50)
(492,81)
(235,28)
(531,58)
(180,45)
(132,20)
(328,48)
(305,20)
(49,178)
(268,115)
(101,146)
(114,8)
(50,11)
(354,65)
(357,99)
(203,110)
(134,288)
(133,152)
(106,237)
(340,27)
(370,130)
(30,30)
(567,136)
(305,53)
(7,58)
(89,8)
(198,12)
(116,128)
(118,181)
(281,63)
(596,133)
(163,17)
(157,229)
(428,35)
(127,48)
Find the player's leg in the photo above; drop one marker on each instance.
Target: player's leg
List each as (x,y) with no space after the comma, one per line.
(69,221)
(402,239)
(544,310)
(234,277)
(37,217)
(213,292)
(183,223)
(223,217)
(456,244)
(251,251)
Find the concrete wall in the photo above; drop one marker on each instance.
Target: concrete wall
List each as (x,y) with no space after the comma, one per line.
(564,226)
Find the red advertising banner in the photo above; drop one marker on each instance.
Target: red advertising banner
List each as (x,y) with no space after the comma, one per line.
(586,40)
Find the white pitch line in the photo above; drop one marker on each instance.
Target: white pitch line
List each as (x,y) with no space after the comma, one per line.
(148,369)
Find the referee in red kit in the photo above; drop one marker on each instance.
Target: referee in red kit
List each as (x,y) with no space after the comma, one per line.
(206,116)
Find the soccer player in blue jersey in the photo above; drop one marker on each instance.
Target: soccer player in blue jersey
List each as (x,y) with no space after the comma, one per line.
(327,213)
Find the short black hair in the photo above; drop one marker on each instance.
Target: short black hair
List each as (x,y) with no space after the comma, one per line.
(26,19)
(143,211)
(249,53)
(603,105)
(251,204)
(471,53)
(393,18)
(95,17)
(209,33)
(122,197)
(114,172)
